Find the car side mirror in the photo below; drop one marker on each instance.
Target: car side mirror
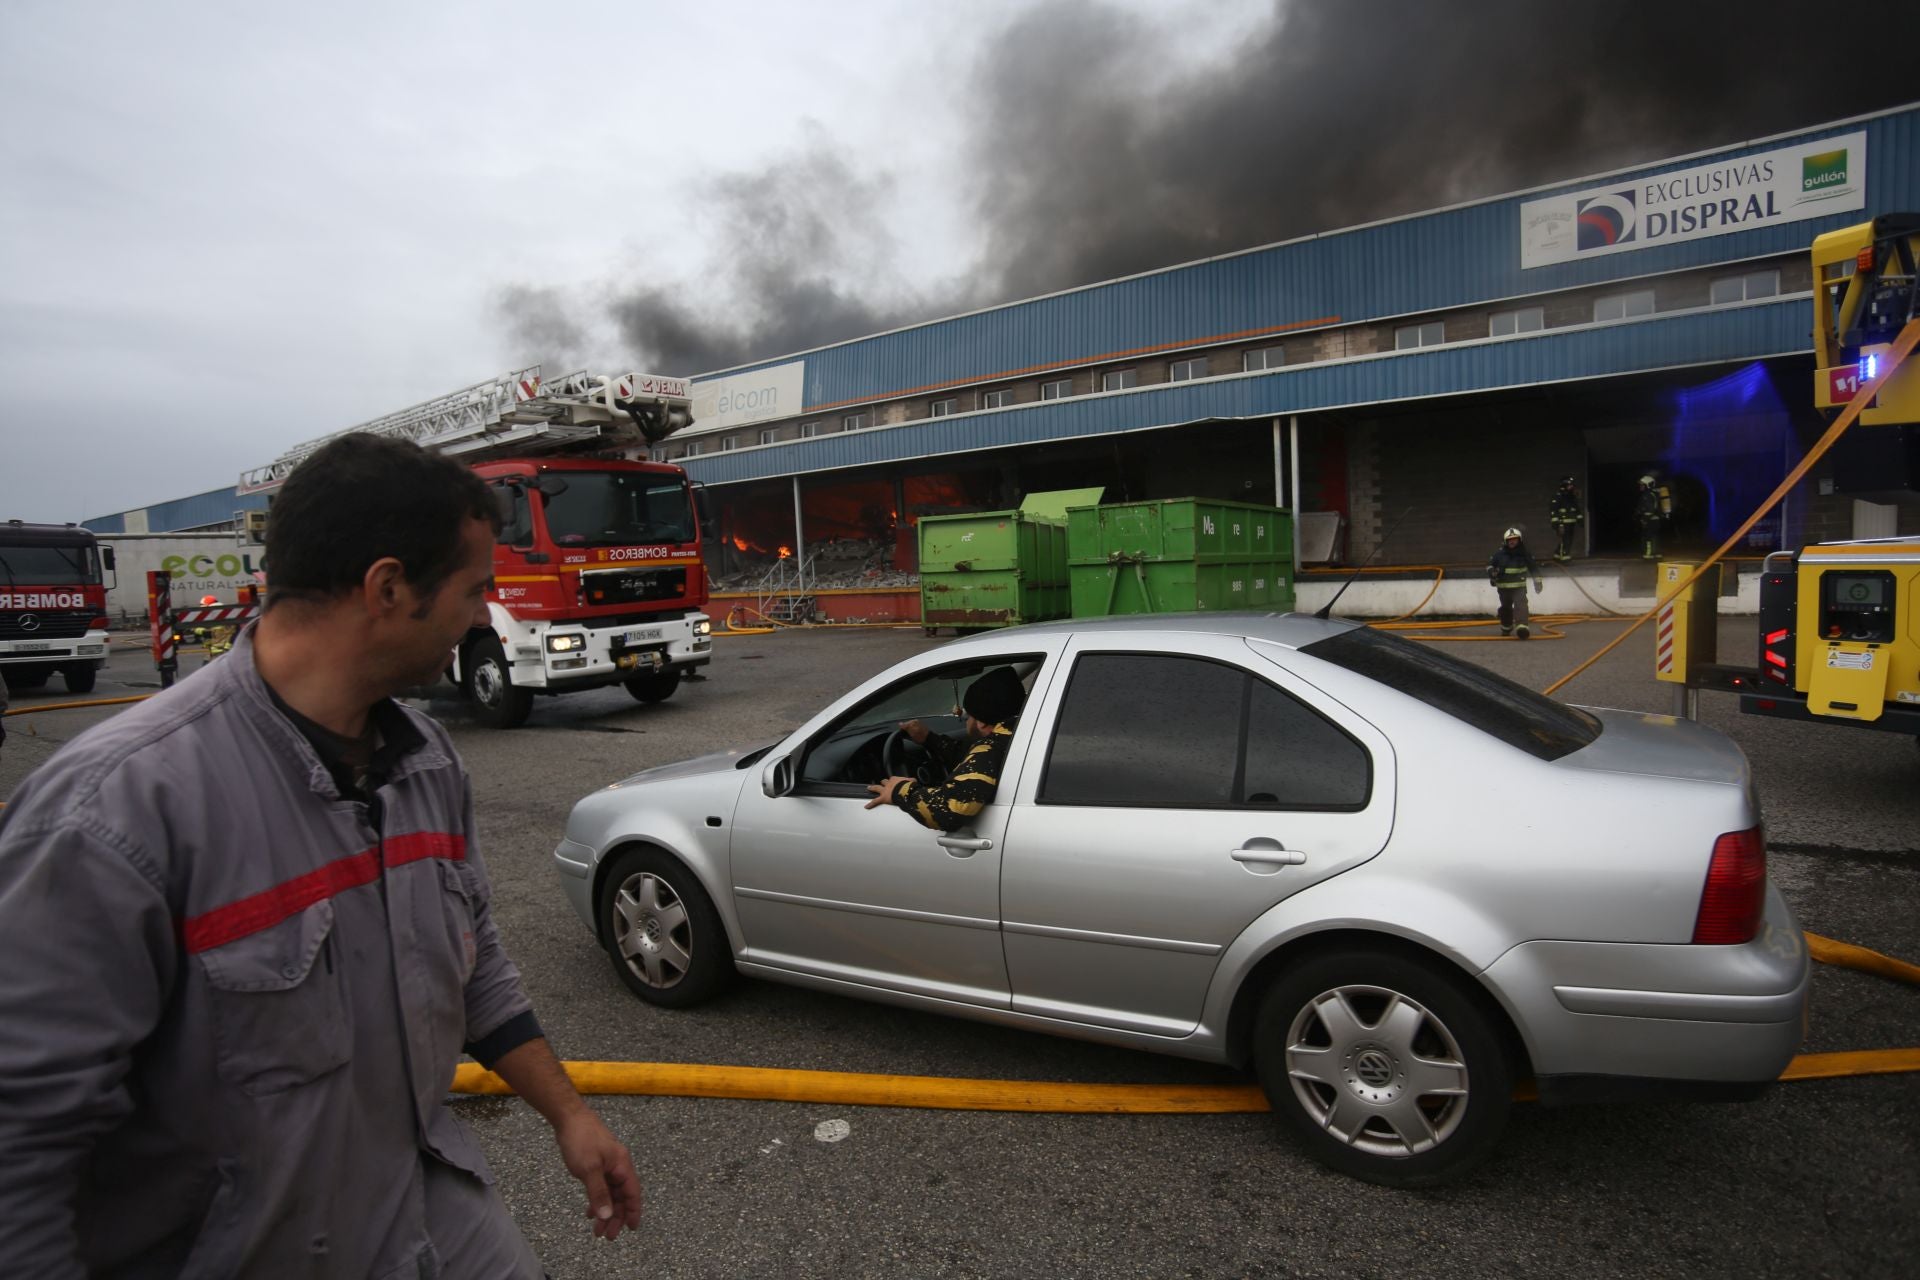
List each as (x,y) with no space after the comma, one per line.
(777,778)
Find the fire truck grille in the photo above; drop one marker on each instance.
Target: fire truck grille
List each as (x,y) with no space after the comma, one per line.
(46,626)
(634,586)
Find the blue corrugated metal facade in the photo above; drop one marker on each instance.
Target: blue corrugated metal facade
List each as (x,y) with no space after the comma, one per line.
(216,506)
(1459,257)
(1775,327)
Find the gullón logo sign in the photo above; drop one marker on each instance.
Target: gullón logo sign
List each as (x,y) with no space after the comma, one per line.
(1824,171)
(1808,180)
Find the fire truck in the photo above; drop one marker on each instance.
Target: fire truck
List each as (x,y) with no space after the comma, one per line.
(598,577)
(1839,635)
(53,604)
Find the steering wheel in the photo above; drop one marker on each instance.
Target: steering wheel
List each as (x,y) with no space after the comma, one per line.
(897,749)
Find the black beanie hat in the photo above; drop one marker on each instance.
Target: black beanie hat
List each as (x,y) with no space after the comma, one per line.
(995,697)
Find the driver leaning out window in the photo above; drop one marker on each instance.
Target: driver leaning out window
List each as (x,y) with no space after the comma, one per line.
(973,762)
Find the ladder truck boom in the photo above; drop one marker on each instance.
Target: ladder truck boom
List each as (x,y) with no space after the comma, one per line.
(519,412)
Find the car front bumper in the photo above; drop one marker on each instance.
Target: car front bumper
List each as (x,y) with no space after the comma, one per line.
(574,862)
(1661,1012)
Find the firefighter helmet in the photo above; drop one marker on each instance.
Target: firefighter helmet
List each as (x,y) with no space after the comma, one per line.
(209,599)
(1647,481)
(1510,533)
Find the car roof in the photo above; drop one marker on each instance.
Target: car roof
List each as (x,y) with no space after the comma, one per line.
(1292,630)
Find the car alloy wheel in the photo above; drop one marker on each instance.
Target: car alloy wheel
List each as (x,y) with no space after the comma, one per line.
(1377,1070)
(1384,1066)
(665,938)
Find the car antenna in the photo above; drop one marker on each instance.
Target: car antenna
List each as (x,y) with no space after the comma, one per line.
(1326,610)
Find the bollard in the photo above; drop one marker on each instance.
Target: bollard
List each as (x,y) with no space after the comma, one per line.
(160,622)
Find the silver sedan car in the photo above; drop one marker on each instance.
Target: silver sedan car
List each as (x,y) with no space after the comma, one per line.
(1395,885)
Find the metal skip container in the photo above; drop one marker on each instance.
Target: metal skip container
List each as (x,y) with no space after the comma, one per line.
(997,568)
(1178,555)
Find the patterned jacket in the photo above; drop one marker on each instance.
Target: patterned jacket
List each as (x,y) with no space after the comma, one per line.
(975,770)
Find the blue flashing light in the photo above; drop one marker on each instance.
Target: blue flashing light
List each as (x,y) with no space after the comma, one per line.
(1869,366)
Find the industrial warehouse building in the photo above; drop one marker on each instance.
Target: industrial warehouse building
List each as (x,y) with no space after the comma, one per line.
(1409,387)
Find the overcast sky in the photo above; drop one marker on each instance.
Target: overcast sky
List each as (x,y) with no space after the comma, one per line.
(226,228)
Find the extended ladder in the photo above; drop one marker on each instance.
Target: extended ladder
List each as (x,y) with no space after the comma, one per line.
(518,412)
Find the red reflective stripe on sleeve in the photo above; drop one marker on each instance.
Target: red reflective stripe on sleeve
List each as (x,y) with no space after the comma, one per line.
(269,907)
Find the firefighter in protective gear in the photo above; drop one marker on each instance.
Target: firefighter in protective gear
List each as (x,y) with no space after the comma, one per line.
(1508,570)
(1564,513)
(1652,509)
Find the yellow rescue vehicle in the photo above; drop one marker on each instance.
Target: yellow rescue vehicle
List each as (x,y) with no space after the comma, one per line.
(1839,621)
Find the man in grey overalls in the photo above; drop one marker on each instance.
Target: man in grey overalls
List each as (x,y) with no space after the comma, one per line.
(245,935)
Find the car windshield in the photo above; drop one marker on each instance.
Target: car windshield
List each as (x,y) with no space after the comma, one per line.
(615,508)
(1490,703)
(46,566)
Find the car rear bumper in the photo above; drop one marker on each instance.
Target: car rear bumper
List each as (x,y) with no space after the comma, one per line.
(1661,1012)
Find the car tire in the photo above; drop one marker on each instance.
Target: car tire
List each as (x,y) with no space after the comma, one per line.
(1383,1067)
(653,686)
(79,676)
(489,686)
(661,931)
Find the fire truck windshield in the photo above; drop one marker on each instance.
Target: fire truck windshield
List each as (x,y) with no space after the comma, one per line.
(605,509)
(47,566)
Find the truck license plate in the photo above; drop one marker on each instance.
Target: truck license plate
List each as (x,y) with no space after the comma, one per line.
(641,636)
(31,646)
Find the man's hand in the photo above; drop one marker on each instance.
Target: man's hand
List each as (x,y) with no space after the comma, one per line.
(594,1156)
(1537,586)
(882,792)
(915,730)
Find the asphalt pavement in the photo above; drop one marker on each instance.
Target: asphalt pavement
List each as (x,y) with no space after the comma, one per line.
(1816,1179)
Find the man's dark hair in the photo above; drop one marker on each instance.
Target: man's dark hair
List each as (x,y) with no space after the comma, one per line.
(361,498)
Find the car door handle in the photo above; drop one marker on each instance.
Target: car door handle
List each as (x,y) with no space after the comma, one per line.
(1266,861)
(964,846)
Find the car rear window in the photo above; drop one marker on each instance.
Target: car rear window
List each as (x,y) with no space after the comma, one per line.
(1493,704)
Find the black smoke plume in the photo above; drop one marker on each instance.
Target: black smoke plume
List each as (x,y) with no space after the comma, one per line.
(1092,155)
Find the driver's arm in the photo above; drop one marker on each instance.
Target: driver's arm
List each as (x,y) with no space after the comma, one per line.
(952,804)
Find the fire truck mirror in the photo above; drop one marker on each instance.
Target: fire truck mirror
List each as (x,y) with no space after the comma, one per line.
(706,513)
(106,559)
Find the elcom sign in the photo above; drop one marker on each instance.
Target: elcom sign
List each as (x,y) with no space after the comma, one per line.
(742,398)
(1807,180)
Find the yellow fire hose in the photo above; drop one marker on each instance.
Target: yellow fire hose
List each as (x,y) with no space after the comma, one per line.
(947,1093)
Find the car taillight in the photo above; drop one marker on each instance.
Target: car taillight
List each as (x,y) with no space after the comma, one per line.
(1736,889)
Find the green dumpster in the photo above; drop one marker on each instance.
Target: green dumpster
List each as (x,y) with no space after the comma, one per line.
(1178,555)
(997,568)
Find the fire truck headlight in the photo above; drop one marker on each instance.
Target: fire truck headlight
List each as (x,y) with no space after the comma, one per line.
(565,644)
(704,627)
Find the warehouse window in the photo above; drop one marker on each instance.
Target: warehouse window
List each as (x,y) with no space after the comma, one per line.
(1000,399)
(1264,358)
(941,408)
(1524,320)
(1187,370)
(729,443)
(1056,390)
(693,449)
(854,422)
(1409,336)
(808,430)
(1119,379)
(1623,306)
(1745,288)
(769,435)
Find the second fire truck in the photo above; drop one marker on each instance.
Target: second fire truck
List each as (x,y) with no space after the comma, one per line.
(598,577)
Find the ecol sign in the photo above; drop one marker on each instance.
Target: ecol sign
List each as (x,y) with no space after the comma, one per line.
(741,398)
(1807,180)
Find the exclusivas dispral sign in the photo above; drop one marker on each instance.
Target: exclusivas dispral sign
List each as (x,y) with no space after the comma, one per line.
(1806,180)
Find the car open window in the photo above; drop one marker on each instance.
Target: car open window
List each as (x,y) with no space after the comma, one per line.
(1493,704)
(847,752)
